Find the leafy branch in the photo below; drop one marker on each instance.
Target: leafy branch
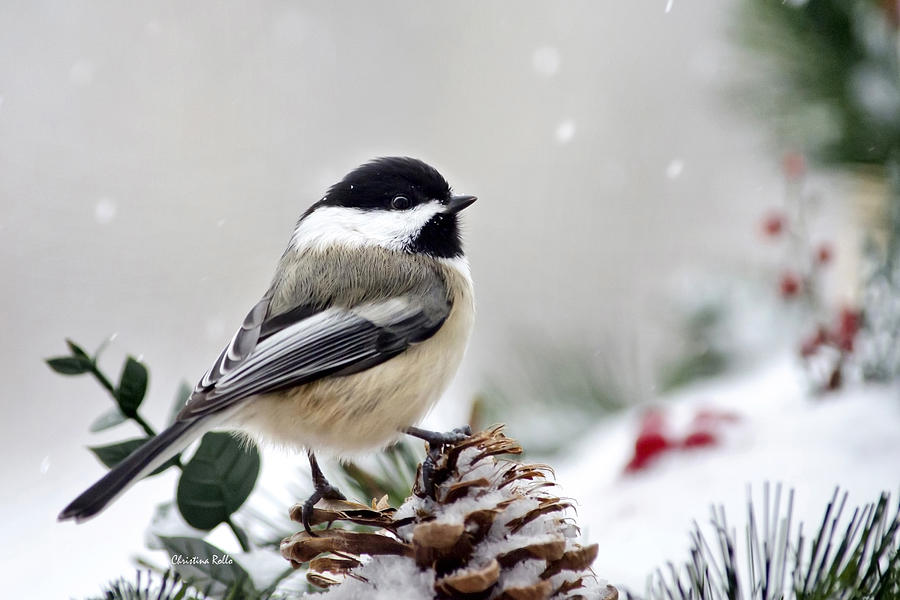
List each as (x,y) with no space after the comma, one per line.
(214,483)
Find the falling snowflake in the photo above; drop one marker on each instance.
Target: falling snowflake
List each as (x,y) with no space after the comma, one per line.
(45,465)
(674,169)
(565,131)
(82,72)
(546,60)
(669,4)
(104,211)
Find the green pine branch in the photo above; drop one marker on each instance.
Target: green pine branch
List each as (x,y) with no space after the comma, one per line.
(855,558)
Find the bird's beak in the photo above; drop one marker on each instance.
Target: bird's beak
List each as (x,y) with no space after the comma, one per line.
(457,203)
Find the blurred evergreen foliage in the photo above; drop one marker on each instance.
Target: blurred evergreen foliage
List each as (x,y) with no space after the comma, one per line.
(836,86)
(551,397)
(393,474)
(703,355)
(836,94)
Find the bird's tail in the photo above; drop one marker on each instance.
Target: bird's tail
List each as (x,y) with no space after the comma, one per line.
(138,464)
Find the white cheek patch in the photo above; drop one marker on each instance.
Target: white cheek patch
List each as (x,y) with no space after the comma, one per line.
(354,227)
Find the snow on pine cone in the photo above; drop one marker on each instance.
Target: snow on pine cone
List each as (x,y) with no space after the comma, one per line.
(489,529)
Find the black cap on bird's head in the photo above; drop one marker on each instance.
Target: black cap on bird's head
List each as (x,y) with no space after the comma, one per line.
(374,185)
(407,203)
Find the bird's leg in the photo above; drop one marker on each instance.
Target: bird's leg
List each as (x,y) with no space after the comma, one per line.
(323,489)
(435,441)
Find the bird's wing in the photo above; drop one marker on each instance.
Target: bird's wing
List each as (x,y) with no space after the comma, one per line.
(335,340)
(240,346)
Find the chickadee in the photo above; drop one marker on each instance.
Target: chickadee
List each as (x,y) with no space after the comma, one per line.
(362,329)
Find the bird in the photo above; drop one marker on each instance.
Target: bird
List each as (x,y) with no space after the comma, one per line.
(362,329)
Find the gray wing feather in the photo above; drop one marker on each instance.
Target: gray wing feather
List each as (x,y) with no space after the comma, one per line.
(333,341)
(240,346)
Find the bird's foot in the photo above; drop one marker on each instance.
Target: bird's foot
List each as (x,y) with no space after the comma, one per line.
(436,440)
(323,489)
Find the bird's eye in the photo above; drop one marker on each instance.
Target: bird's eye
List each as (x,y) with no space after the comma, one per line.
(400,203)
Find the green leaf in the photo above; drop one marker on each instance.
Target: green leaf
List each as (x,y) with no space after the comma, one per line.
(132,386)
(71,365)
(206,567)
(181,396)
(241,535)
(217,480)
(76,349)
(110,418)
(113,454)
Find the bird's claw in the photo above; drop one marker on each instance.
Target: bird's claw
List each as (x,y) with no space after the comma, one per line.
(436,440)
(323,489)
(328,492)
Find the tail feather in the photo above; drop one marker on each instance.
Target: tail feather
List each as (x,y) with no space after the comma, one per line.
(138,464)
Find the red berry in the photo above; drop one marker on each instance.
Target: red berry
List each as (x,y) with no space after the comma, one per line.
(773,224)
(848,327)
(824,254)
(794,165)
(646,446)
(697,439)
(634,465)
(790,285)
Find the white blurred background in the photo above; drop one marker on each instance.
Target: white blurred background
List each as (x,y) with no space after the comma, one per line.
(155,155)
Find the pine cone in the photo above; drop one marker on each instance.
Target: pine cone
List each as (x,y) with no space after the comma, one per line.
(492,529)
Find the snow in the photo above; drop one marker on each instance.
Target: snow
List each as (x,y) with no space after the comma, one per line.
(523,574)
(808,443)
(397,578)
(104,211)
(565,131)
(674,168)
